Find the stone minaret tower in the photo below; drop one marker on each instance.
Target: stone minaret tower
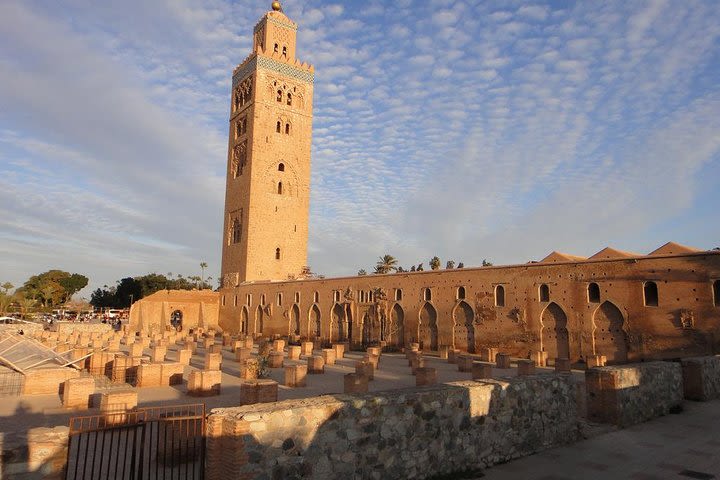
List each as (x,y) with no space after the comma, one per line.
(267,196)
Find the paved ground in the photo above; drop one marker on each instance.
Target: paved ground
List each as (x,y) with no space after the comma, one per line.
(20,413)
(673,447)
(684,446)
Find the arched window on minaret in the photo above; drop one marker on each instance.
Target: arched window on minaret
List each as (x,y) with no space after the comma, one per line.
(236,231)
(277,253)
(278,127)
(280,188)
(289,100)
(287,129)
(281,167)
(284,54)
(276,48)
(279,96)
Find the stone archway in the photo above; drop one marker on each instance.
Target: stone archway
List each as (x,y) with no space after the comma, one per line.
(259,319)
(609,338)
(365,330)
(464,329)
(244,320)
(427,328)
(555,337)
(349,318)
(338,330)
(295,320)
(396,335)
(314,326)
(176,320)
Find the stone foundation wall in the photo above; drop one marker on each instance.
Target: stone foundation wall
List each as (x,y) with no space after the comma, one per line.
(37,453)
(414,433)
(701,378)
(630,394)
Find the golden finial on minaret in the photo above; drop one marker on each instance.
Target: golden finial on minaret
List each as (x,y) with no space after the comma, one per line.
(277,7)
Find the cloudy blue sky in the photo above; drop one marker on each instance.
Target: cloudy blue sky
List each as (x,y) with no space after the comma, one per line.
(465,129)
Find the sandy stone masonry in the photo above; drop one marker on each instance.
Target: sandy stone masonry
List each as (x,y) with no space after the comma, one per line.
(624,323)
(401,434)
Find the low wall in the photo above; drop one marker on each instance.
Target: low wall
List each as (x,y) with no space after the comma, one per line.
(36,453)
(26,328)
(70,327)
(413,433)
(701,377)
(630,394)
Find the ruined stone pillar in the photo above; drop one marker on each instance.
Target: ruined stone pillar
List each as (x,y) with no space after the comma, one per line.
(526,367)
(296,376)
(307,348)
(275,359)
(328,355)
(183,356)
(562,365)
(489,355)
(365,368)
(316,364)
(294,352)
(425,376)
(77,392)
(213,361)
(481,370)
(355,383)
(502,360)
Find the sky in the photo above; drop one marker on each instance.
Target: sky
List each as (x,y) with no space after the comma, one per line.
(466,129)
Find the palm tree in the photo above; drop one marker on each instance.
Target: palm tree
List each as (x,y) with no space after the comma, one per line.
(26,304)
(7,286)
(386,264)
(435,263)
(203,266)
(5,301)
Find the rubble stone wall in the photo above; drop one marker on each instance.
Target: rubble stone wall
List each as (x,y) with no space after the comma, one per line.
(630,394)
(414,433)
(701,377)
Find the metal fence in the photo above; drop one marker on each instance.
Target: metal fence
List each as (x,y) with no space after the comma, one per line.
(149,443)
(11,383)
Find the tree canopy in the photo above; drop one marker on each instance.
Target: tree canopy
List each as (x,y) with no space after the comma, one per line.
(53,287)
(134,288)
(386,264)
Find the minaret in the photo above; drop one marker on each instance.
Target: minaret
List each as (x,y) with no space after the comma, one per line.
(267,197)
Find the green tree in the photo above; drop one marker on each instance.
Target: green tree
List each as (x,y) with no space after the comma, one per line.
(461,265)
(419,268)
(72,284)
(486,263)
(103,298)
(27,305)
(5,302)
(450,264)
(49,294)
(435,263)
(362,272)
(63,285)
(386,264)
(7,286)
(127,288)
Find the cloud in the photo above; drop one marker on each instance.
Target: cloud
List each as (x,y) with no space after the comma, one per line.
(487,132)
